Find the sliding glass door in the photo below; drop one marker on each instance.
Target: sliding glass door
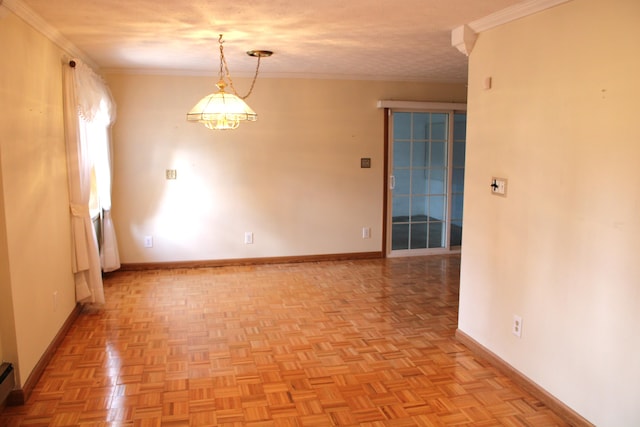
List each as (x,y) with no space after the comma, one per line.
(426,181)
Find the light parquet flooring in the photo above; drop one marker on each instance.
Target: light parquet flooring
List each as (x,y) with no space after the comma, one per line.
(368,342)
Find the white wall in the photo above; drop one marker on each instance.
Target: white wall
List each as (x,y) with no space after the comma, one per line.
(293,178)
(561,250)
(35,253)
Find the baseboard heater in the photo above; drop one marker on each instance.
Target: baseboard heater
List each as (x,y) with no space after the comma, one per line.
(7,381)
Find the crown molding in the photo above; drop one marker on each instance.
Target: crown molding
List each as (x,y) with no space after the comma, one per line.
(512,13)
(34,20)
(463,37)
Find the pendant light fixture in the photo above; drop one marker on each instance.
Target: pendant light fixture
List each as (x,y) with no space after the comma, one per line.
(223,110)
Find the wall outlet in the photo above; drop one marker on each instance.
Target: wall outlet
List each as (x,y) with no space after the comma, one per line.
(248,238)
(366,232)
(516,327)
(148,241)
(171,174)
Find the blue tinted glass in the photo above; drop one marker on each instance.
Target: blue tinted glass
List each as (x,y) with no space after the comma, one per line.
(439,127)
(418,236)
(460,126)
(400,209)
(400,236)
(438,158)
(401,154)
(420,157)
(437,181)
(419,181)
(418,208)
(401,126)
(421,126)
(403,183)
(456,233)
(458,181)
(459,154)
(436,208)
(436,234)
(456,207)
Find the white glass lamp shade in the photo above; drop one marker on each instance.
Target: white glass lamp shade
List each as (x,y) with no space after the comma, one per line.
(221,110)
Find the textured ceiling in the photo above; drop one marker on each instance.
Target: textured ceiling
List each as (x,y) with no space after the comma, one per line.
(371,39)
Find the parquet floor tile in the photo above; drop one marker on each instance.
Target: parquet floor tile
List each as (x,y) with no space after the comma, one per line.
(351,343)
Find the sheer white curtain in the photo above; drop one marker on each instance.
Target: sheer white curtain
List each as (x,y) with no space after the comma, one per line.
(101,152)
(88,111)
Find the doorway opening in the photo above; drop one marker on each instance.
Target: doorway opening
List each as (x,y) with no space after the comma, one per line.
(425,182)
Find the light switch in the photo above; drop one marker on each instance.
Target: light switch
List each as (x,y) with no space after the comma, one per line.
(499,186)
(171,174)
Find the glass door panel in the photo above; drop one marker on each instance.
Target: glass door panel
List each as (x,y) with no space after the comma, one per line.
(427,180)
(457,177)
(420,168)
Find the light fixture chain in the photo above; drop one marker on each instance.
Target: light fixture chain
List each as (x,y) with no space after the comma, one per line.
(221,72)
(255,77)
(223,62)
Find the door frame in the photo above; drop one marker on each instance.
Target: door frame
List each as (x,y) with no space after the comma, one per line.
(413,106)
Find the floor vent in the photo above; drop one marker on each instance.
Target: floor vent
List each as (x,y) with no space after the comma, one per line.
(7,380)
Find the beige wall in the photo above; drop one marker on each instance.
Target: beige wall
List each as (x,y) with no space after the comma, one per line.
(34,241)
(6,308)
(293,178)
(561,250)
